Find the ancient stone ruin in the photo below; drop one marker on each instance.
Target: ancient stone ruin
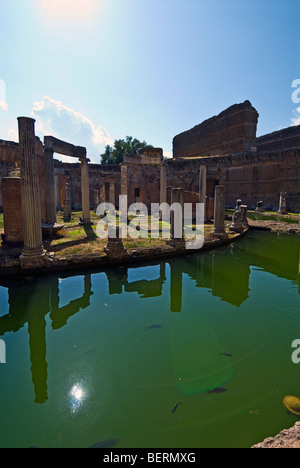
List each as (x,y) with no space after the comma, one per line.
(215,163)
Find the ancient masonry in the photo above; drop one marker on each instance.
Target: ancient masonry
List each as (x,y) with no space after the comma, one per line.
(223,151)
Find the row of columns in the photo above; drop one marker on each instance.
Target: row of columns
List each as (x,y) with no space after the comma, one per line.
(31,211)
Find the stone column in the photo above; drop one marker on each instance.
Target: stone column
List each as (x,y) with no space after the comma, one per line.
(96,199)
(67,204)
(177,217)
(282,204)
(219,214)
(112,194)
(33,250)
(163,184)
(67,192)
(50,187)
(124,180)
(102,193)
(202,187)
(85,191)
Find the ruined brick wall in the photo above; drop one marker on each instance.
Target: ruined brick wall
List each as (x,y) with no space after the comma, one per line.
(12,209)
(249,176)
(282,139)
(5,169)
(232,131)
(98,174)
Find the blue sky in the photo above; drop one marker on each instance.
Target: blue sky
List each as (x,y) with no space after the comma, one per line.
(91,71)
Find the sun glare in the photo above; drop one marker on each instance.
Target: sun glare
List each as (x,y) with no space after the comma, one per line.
(69,9)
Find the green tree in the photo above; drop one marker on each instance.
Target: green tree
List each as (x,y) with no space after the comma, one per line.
(115,154)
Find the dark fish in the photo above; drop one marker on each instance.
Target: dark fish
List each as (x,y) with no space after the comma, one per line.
(153,326)
(225,354)
(91,351)
(107,443)
(176,406)
(218,390)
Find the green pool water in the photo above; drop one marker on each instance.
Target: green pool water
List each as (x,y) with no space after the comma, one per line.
(101,356)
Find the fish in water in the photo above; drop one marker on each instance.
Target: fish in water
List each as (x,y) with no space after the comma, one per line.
(176,406)
(225,354)
(107,443)
(153,326)
(218,390)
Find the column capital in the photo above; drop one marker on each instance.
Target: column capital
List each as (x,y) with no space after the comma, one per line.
(84,160)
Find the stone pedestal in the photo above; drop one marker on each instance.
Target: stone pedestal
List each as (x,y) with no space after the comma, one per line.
(219,214)
(85,189)
(282,204)
(33,253)
(115,247)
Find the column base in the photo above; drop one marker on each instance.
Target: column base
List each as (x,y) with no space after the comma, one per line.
(220,235)
(33,258)
(282,212)
(115,248)
(85,222)
(177,243)
(236,228)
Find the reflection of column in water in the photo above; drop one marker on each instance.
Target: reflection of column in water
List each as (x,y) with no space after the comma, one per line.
(176,286)
(37,343)
(162,274)
(54,293)
(29,302)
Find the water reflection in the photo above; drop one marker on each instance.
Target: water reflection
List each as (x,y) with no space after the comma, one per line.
(225,272)
(76,397)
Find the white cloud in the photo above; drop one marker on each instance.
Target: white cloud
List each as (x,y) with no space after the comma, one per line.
(55,119)
(296,119)
(3,106)
(13,135)
(167,154)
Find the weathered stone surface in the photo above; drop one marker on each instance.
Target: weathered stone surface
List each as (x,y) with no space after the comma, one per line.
(260,207)
(288,438)
(12,207)
(281,139)
(115,247)
(232,131)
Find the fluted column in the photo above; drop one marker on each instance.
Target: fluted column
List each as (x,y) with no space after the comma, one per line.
(31,209)
(50,187)
(85,190)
